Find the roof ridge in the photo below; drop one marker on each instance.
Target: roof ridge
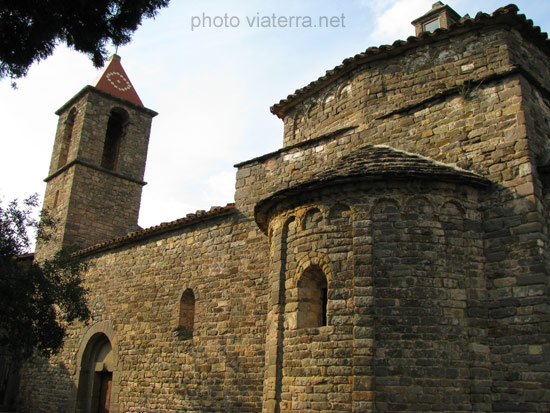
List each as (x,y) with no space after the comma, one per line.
(359,154)
(434,161)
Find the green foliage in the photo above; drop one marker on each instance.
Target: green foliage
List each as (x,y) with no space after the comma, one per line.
(468,89)
(38,300)
(30,29)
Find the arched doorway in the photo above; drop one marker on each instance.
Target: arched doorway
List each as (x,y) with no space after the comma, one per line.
(96,376)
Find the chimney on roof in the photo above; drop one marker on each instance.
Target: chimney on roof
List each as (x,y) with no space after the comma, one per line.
(440,16)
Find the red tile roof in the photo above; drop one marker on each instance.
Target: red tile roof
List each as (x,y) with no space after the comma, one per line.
(115,81)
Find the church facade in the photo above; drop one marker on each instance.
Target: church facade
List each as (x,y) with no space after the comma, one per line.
(392,256)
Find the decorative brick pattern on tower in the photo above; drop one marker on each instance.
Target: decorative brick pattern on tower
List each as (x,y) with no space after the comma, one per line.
(392,256)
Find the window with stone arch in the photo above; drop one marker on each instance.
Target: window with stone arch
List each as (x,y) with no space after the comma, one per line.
(312,298)
(66,138)
(186,320)
(116,129)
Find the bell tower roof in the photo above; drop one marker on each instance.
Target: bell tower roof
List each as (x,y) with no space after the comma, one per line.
(115,81)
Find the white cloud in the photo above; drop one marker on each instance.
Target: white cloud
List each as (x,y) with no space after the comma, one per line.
(221,187)
(376,6)
(394,22)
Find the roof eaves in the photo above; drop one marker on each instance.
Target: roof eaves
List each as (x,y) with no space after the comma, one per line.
(188,220)
(90,88)
(504,14)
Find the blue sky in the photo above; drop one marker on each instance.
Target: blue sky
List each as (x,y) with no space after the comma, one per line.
(212,87)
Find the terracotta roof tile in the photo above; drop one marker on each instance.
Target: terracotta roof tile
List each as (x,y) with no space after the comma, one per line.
(114,80)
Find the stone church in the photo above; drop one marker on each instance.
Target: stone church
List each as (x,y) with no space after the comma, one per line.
(393,255)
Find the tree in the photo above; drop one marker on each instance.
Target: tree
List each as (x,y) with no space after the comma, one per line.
(30,29)
(38,299)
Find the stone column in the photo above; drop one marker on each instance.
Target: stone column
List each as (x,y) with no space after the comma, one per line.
(275,317)
(363,323)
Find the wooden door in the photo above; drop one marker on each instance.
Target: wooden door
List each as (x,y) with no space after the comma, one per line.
(105,392)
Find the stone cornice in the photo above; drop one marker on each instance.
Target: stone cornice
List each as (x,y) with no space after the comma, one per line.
(93,166)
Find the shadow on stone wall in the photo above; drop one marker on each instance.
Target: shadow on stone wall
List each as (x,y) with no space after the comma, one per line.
(53,388)
(9,381)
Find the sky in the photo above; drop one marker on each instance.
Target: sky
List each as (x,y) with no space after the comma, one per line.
(212,73)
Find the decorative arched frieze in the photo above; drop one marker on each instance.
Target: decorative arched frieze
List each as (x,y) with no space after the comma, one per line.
(290,226)
(270,234)
(451,209)
(329,100)
(420,206)
(345,90)
(386,206)
(313,218)
(451,218)
(340,214)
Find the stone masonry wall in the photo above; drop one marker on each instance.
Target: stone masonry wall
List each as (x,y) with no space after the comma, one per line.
(56,201)
(430,347)
(101,208)
(315,362)
(134,144)
(388,83)
(474,111)
(404,265)
(137,290)
(418,108)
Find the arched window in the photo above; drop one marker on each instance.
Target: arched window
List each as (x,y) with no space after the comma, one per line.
(116,127)
(187,314)
(66,138)
(312,298)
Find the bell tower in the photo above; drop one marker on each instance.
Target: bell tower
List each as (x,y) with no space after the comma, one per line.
(94,184)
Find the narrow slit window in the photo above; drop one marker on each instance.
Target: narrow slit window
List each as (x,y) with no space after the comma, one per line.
(186,320)
(56,199)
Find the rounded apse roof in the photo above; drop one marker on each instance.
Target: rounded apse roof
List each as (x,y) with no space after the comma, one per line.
(371,162)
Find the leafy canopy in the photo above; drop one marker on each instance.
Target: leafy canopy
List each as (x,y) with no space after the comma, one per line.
(30,29)
(38,300)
